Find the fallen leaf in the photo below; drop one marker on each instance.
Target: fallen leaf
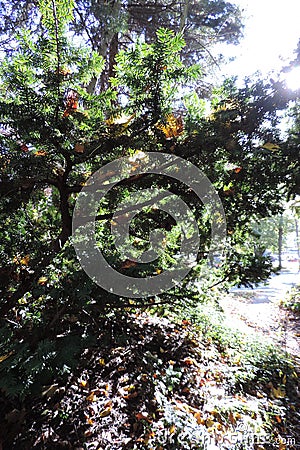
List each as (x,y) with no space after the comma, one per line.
(172,429)
(209,422)
(278,393)
(284,378)
(143,416)
(239,397)
(199,418)
(128,264)
(130,396)
(50,391)
(148,436)
(129,388)
(42,281)
(92,397)
(108,404)
(190,362)
(105,412)
(186,322)
(4,357)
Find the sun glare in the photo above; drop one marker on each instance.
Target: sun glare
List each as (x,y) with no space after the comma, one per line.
(292,79)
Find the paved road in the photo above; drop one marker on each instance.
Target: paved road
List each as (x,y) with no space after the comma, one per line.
(257,310)
(276,287)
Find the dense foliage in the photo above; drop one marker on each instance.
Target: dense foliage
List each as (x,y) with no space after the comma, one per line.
(110,26)
(57,128)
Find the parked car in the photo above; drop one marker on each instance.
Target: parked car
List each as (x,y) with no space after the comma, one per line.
(293,259)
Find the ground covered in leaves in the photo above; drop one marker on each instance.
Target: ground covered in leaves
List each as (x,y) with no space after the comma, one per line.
(164,381)
(275,321)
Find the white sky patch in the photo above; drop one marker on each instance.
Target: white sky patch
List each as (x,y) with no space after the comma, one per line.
(292,79)
(271,34)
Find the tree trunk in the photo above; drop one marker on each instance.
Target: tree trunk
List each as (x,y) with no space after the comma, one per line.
(297,241)
(113,50)
(184,14)
(280,236)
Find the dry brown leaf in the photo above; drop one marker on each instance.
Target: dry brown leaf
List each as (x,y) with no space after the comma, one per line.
(172,429)
(130,396)
(50,391)
(40,153)
(42,281)
(105,412)
(4,357)
(79,148)
(190,362)
(143,416)
(173,126)
(92,397)
(25,260)
(278,393)
(209,422)
(129,388)
(128,264)
(199,418)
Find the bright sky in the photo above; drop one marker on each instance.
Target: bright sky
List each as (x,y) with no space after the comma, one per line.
(271,34)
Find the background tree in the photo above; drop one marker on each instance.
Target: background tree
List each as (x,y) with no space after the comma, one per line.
(110,25)
(273,232)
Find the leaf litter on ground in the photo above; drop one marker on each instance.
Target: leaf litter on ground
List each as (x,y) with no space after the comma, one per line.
(171,383)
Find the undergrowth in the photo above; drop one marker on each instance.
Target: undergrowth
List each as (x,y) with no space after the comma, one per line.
(292,301)
(162,378)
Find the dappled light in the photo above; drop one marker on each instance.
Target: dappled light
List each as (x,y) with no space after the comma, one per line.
(150,246)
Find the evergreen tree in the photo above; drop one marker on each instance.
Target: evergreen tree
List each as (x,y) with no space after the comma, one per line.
(55,133)
(108,26)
